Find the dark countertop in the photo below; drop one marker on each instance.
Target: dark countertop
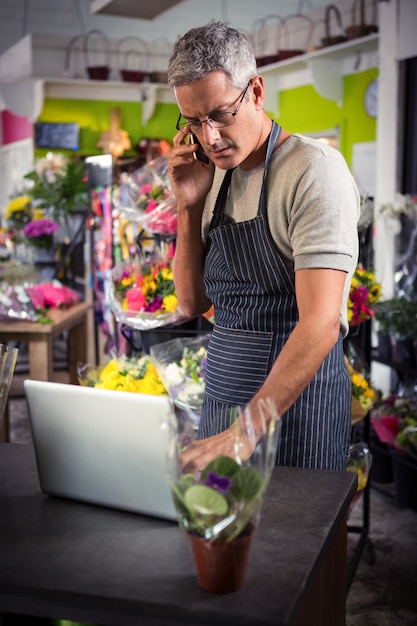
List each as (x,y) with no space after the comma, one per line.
(65,559)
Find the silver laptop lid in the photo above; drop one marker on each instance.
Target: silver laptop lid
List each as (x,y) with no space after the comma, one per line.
(110,448)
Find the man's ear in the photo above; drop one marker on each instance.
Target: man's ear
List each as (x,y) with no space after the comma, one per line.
(258,91)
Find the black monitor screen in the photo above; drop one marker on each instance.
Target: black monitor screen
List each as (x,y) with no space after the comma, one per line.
(64,136)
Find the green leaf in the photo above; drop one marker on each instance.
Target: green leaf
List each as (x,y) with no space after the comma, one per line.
(247,484)
(201,500)
(222,466)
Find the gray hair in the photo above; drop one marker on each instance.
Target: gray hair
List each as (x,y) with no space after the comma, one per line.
(211,48)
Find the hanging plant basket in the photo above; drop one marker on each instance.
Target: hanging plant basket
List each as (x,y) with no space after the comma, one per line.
(361,29)
(287,52)
(265,53)
(159,75)
(129,48)
(332,39)
(97,72)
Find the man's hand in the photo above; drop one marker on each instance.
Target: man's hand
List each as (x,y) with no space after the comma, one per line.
(191,179)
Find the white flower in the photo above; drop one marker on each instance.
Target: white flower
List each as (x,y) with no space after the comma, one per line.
(174,374)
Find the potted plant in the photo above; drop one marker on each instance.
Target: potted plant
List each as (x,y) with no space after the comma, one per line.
(59,187)
(219,506)
(397,329)
(39,236)
(394,420)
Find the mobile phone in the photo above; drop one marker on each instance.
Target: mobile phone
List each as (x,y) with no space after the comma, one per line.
(200,155)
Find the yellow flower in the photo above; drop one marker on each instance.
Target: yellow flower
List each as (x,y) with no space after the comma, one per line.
(21,203)
(135,376)
(167,273)
(170,303)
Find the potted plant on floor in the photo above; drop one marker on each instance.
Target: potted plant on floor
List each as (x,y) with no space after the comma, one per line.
(397,330)
(395,422)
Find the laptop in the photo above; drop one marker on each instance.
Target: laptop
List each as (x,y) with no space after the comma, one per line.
(110,448)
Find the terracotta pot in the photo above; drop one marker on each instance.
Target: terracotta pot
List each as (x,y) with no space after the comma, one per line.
(221,565)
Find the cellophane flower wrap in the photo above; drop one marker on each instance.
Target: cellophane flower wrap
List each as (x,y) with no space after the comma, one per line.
(121,373)
(223,501)
(181,364)
(359,461)
(146,197)
(142,294)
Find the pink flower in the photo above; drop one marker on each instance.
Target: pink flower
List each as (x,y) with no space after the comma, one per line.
(136,301)
(145,189)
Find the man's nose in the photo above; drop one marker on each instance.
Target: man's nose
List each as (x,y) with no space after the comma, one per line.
(210,134)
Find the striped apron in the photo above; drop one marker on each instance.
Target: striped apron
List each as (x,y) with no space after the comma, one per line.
(255,311)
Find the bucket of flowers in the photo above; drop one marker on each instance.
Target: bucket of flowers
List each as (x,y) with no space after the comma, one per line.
(38,235)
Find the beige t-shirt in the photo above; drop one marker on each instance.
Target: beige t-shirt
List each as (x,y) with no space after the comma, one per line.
(313,207)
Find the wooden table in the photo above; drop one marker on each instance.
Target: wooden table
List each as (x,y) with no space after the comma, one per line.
(40,339)
(68,560)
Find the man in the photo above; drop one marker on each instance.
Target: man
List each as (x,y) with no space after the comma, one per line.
(267,232)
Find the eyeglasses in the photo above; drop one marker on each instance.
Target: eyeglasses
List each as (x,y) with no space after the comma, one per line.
(218,119)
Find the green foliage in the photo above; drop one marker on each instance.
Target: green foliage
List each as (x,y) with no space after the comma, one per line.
(219,502)
(397,317)
(63,192)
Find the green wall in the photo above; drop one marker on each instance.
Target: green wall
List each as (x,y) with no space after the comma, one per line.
(93,116)
(301,110)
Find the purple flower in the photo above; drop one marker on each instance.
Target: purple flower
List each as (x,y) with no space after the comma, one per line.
(220,483)
(155,305)
(39,228)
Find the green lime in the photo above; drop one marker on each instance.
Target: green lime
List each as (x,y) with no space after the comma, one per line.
(205,501)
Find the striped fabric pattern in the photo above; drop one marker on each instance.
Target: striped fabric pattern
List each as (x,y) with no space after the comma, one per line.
(255,312)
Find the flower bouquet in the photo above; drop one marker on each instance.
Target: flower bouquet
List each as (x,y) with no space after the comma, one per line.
(360,461)
(219,506)
(363,395)
(143,296)
(181,364)
(394,420)
(146,197)
(17,215)
(123,374)
(40,233)
(364,293)
(57,183)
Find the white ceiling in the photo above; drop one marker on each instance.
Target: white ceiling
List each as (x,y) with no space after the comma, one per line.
(132,8)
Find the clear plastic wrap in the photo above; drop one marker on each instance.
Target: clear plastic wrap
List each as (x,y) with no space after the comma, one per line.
(8,358)
(143,295)
(222,502)
(181,364)
(16,304)
(360,461)
(145,197)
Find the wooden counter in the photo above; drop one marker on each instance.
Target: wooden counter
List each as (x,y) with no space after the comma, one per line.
(64,559)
